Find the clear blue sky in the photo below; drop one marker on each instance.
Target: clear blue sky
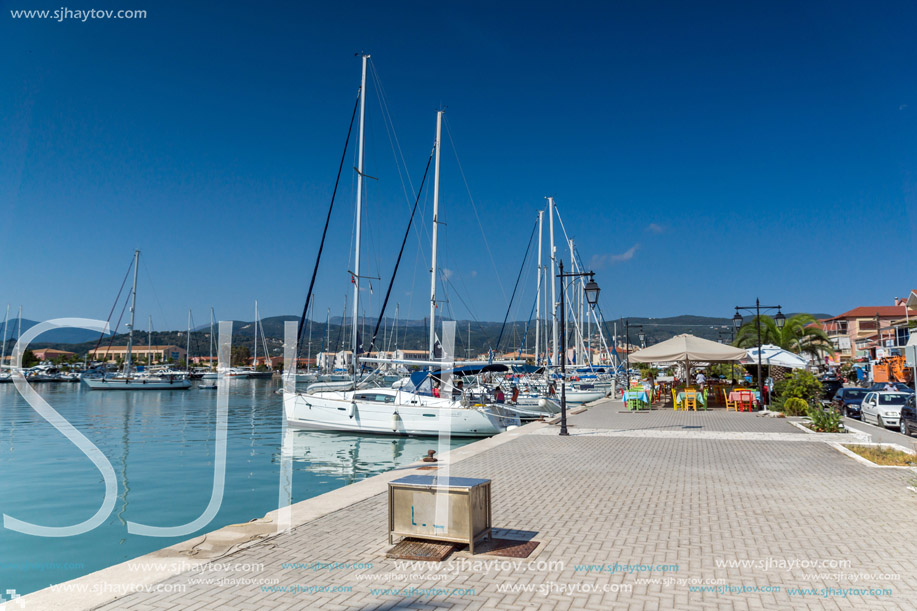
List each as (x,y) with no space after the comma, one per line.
(701,154)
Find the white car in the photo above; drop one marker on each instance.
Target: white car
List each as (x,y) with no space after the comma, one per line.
(883,408)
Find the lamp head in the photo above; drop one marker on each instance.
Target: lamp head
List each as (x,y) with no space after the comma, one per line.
(592,291)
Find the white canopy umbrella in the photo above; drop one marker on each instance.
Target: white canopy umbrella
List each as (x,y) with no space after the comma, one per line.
(686,348)
(776,357)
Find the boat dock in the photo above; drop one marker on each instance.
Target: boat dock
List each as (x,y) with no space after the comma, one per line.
(634,510)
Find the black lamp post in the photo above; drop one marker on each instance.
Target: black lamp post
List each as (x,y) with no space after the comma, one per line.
(780,319)
(592,297)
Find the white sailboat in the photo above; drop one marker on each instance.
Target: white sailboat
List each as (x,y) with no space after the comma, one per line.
(127,379)
(410,409)
(259,337)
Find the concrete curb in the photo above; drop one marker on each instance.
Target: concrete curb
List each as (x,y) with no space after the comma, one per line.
(840,448)
(129,577)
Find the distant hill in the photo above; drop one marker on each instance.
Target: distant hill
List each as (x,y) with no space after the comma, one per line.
(472,337)
(56,336)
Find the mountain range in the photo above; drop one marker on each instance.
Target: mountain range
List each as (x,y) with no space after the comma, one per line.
(472,337)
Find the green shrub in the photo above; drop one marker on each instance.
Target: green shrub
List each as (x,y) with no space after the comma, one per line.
(800,384)
(825,421)
(794,406)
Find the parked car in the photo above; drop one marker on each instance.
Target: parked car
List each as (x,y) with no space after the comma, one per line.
(847,400)
(883,408)
(899,387)
(829,386)
(908,422)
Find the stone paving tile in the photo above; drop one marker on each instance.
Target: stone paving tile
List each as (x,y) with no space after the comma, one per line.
(613,415)
(693,502)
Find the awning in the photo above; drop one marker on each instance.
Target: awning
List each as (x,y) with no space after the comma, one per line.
(776,357)
(688,348)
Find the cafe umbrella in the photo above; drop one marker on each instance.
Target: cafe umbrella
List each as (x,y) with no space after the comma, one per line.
(686,348)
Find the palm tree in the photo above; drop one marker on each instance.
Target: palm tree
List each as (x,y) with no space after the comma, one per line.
(801,334)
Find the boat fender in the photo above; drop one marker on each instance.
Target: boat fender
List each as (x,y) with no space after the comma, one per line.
(542,402)
(352,409)
(395,418)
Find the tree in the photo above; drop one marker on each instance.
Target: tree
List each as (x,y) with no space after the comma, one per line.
(29,359)
(240,356)
(801,334)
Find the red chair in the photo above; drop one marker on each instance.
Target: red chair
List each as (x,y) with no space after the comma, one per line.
(746,401)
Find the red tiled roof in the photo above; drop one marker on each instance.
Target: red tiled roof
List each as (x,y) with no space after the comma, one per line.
(872,311)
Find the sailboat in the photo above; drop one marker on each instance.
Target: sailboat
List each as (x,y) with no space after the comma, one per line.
(411,408)
(128,379)
(260,338)
(5,376)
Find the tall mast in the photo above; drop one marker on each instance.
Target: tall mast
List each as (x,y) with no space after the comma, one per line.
(211,338)
(188,345)
(328,337)
(359,219)
(538,293)
(255,357)
(439,127)
(311,317)
(130,326)
(397,307)
(6,320)
(575,307)
(149,342)
(553,283)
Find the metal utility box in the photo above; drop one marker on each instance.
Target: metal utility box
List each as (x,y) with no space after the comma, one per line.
(454,509)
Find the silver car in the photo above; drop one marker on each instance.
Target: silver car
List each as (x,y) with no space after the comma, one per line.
(883,408)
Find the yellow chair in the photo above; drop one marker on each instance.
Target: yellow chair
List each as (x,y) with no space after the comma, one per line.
(730,404)
(675,399)
(690,400)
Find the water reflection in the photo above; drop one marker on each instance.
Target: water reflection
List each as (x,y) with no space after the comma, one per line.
(161,445)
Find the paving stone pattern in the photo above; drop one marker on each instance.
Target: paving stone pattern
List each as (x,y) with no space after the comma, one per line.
(599,500)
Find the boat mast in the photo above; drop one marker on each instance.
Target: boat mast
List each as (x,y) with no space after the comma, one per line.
(575,309)
(255,357)
(6,320)
(149,343)
(439,126)
(537,294)
(328,337)
(211,338)
(553,283)
(188,345)
(397,307)
(130,325)
(311,317)
(359,219)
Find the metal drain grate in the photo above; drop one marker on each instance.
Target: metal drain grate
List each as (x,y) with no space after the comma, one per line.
(418,549)
(511,548)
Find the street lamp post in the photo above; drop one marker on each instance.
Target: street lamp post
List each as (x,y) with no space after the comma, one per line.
(592,297)
(780,319)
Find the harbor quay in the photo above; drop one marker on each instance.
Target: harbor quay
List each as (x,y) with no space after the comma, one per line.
(632,510)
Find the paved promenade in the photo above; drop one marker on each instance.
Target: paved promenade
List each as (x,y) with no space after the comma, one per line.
(659,510)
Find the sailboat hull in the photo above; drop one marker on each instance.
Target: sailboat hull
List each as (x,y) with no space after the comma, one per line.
(338,411)
(136,384)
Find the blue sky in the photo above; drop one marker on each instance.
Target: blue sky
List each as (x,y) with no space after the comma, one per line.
(701,154)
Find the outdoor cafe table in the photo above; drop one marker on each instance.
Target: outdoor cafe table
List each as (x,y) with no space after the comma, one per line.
(701,400)
(736,395)
(634,398)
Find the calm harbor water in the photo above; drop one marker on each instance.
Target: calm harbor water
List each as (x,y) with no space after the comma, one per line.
(161,445)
